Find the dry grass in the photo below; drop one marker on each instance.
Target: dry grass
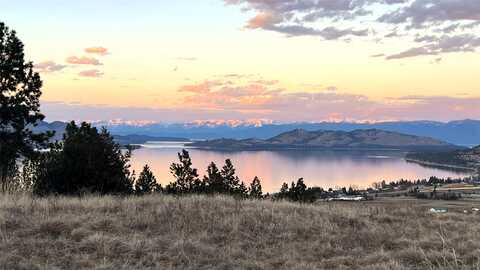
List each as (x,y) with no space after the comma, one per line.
(161,232)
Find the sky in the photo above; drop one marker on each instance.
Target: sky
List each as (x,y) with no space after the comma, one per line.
(253,60)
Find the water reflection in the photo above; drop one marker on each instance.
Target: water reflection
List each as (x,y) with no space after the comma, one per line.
(319,168)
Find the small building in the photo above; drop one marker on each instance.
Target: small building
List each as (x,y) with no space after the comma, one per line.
(438,210)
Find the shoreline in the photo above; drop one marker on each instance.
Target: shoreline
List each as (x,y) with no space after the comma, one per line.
(267,147)
(441,165)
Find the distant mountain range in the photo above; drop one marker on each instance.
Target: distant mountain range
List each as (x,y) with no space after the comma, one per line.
(357,139)
(59,128)
(464,132)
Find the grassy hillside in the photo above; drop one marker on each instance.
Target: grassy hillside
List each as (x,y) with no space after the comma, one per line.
(161,232)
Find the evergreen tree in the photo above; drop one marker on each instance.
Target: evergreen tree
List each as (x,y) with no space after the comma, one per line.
(186,177)
(297,191)
(214,181)
(86,161)
(291,192)
(300,190)
(255,190)
(242,190)
(20,90)
(199,186)
(284,192)
(232,182)
(146,182)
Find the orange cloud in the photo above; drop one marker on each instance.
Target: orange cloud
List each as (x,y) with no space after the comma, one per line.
(267,100)
(262,20)
(220,94)
(204,87)
(84,60)
(97,50)
(92,73)
(282,106)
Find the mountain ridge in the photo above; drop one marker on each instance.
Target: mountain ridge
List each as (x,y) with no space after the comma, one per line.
(328,139)
(461,132)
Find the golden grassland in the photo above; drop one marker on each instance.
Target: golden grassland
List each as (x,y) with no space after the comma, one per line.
(198,232)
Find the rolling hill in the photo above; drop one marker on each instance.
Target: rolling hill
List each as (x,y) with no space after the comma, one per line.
(357,139)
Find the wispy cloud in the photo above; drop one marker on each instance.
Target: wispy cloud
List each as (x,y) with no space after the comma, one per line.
(200,88)
(453,25)
(49,66)
(97,50)
(439,45)
(424,12)
(92,73)
(84,60)
(271,22)
(285,107)
(264,99)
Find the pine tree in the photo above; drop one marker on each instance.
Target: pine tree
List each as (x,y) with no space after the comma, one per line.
(86,161)
(255,190)
(146,182)
(242,190)
(284,191)
(214,181)
(300,190)
(186,177)
(20,91)
(232,181)
(292,192)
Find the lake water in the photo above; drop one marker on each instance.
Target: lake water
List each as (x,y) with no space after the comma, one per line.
(319,168)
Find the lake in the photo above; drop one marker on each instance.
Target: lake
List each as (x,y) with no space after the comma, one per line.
(319,168)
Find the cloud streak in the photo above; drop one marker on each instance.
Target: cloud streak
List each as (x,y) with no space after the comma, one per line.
(84,60)
(293,107)
(439,45)
(91,73)
(97,50)
(266,100)
(49,66)
(423,12)
(452,25)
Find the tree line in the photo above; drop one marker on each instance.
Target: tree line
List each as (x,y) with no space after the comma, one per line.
(431,181)
(88,160)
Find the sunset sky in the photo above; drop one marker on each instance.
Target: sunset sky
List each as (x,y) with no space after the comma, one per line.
(279,60)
